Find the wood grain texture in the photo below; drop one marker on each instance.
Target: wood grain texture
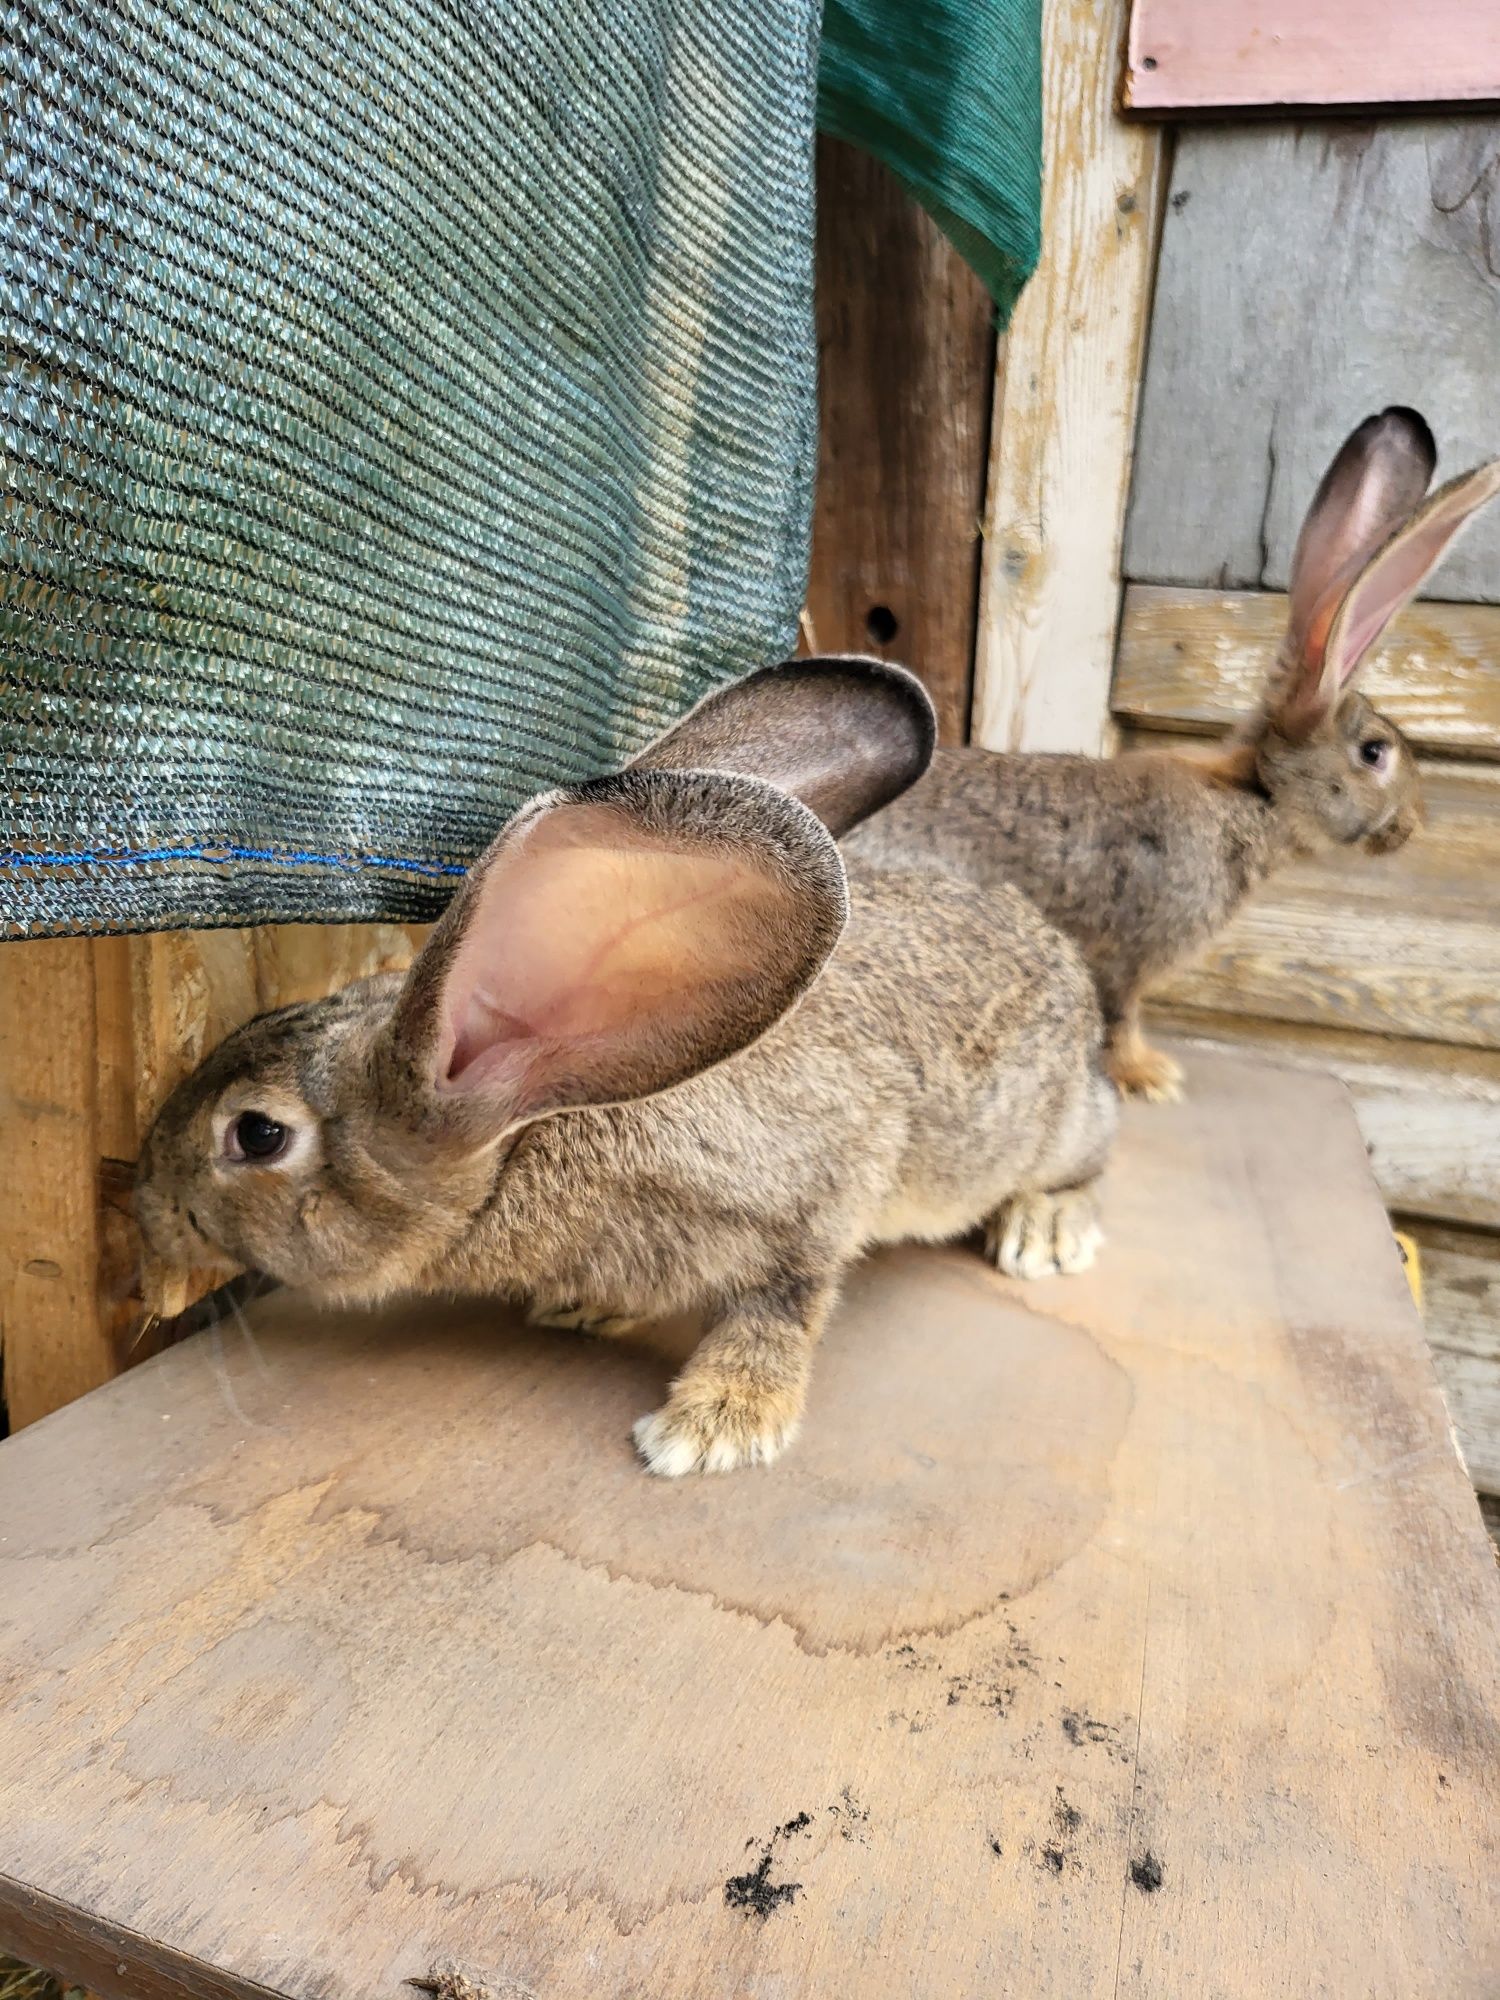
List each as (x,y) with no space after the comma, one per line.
(906,347)
(55,1340)
(1310,273)
(1461,1307)
(1197,659)
(1185,56)
(1401,944)
(373,1646)
(1429,1112)
(1065,407)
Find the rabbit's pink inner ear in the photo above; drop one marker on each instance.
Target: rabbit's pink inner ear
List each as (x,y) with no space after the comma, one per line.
(1396,574)
(1376,479)
(602,963)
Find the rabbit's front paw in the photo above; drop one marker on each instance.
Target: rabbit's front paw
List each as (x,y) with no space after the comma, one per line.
(718,1422)
(1037,1235)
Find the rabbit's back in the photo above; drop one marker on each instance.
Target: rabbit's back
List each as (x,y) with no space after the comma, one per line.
(1139,858)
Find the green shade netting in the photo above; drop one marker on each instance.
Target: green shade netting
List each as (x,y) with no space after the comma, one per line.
(948,93)
(406,405)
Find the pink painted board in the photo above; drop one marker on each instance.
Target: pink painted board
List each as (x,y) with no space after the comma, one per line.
(1201,54)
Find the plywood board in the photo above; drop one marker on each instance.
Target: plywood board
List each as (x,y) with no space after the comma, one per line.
(1197,659)
(1185,56)
(371,1645)
(906,348)
(1429,1112)
(1065,406)
(1310,273)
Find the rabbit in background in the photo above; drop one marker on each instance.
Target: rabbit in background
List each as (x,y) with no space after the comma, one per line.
(661,1055)
(1142,859)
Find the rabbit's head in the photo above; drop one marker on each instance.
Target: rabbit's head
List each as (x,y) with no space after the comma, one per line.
(616,939)
(1337,768)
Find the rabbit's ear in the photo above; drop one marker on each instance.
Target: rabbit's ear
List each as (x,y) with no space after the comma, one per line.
(1377,478)
(845,735)
(1390,579)
(615,940)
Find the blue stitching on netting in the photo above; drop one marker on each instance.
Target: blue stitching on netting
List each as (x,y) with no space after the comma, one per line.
(219,856)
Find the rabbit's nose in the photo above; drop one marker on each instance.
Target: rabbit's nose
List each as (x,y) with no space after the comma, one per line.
(1395,833)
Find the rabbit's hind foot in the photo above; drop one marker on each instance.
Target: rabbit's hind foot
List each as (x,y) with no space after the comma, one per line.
(1044,1235)
(1138,1070)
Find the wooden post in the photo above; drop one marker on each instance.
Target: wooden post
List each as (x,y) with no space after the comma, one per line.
(54,1340)
(1065,403)
(906,345)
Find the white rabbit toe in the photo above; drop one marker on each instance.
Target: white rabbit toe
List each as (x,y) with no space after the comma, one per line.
(1020,1238)
(1076,1235)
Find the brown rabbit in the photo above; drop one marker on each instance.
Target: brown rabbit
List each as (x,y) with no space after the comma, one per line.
(593,1089)
(1141,859)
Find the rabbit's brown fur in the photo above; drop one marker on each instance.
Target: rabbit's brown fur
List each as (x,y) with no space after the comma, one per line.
(1142,859)
(941,1073)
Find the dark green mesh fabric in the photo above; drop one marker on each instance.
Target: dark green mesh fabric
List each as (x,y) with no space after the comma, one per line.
(407,404)
(404,405)
(949,94)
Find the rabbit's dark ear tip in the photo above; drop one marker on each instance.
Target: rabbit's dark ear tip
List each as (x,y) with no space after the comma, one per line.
(1401,416)
(905,689)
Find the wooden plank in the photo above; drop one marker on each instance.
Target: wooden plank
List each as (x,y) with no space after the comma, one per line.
(1196,659)
(54,1341)
(295,962)
(1185,56)
(1403,944)
(1174,1560)
(1362,273)
(1429,1112)
(1065,407)
(1461,1306)
(906,348)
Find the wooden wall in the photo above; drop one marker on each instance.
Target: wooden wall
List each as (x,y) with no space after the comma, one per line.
(1311,271)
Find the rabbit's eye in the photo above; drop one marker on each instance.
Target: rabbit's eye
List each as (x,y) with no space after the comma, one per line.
(253,1136)
(1375,752)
